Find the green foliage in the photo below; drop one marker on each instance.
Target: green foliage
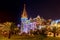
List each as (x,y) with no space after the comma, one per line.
(54,30)
(12,26)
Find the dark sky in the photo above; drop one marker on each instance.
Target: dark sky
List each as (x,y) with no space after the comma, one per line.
(10,10)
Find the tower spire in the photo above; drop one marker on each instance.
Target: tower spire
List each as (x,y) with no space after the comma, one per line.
(24,14)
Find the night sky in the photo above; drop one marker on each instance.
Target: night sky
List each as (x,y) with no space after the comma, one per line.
(11,10)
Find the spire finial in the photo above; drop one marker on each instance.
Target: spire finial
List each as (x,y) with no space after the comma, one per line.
(24,5)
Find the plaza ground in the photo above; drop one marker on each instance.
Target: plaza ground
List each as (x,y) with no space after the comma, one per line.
(36,37)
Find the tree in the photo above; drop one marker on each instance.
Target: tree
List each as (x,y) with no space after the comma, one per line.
(58,31)
(54,30)
(11,31)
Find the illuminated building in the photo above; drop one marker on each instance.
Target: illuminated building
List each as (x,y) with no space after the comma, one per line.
(24,21)
(30,24)
(55,23)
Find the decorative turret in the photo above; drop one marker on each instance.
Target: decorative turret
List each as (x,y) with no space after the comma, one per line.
(38,16)
(31,20)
